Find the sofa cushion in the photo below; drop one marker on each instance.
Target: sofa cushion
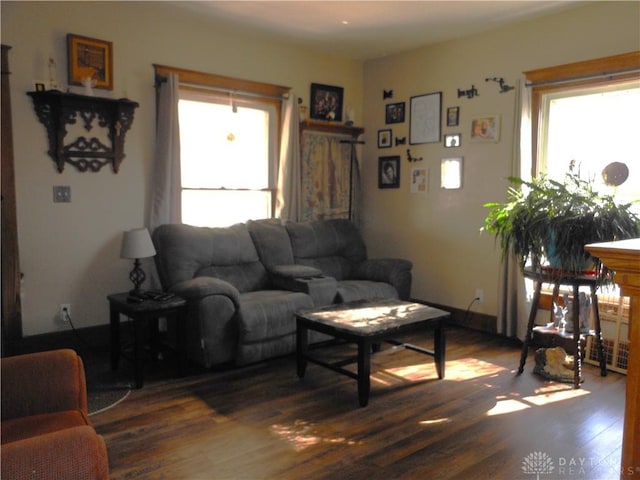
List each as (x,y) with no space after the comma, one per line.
(271,241)
(35,425)
(227,253)
(351,290)
(332,246)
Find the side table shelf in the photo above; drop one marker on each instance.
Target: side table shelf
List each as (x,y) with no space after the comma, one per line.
(147,312)
(576,337)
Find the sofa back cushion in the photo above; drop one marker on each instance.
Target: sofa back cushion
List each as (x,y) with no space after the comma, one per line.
(272,242)
(333,246)
(185,252)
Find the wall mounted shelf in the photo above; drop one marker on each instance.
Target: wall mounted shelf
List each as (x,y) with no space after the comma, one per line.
(57,110)
(331,127)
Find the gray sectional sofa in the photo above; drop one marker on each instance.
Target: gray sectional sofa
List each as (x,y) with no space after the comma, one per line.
(243,283)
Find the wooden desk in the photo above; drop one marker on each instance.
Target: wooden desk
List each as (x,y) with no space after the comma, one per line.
(623,257)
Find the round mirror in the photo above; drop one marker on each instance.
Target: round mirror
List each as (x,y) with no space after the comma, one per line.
(615,174)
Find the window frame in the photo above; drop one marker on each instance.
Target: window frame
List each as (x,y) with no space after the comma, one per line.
(607,71)
(244,92)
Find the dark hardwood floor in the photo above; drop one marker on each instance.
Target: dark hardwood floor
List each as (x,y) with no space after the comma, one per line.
(481,422)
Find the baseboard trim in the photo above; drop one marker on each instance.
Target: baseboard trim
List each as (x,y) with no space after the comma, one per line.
(467,318)
(97,337)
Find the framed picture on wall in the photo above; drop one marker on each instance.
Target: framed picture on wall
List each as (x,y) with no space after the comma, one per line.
(384,138)
(389,172)
(485,129)
(326,102)
(452,140)
(394,113)
(89,60)
(425,118)
(453,116)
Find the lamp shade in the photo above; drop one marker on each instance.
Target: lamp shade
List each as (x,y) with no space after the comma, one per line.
(137,243)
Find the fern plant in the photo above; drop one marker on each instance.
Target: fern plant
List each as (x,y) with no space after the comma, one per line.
(545,221)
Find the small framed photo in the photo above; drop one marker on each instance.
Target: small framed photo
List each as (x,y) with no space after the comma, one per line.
(453,116)
(485,129)
(326,102)
(40,87)
(389,172)
(394,113)
(451,140)
(451,173)
(419,180)
(384,138)
(89,60)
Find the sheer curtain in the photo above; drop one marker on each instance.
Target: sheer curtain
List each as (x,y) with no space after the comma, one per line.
(166,187)
(288,199)
(515,292)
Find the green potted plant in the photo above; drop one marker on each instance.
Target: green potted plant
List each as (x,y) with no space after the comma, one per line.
(547,222)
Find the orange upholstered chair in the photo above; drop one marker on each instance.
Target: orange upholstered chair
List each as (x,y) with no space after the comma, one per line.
(46,432)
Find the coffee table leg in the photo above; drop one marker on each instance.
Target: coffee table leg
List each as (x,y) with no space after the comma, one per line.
(439,349)
(364,371)
(302,345)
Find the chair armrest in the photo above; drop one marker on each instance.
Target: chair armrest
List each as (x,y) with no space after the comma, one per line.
(199,287)
(395,271)
(43,382)
(74,453)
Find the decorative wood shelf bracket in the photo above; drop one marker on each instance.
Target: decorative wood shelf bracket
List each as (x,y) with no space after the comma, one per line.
(56,110)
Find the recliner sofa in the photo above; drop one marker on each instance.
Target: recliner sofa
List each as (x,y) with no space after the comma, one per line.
(244,283)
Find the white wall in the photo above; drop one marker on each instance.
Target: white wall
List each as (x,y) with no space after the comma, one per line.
(439,231)
(69,253)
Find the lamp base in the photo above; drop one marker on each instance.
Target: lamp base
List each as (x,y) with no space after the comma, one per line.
(137,277)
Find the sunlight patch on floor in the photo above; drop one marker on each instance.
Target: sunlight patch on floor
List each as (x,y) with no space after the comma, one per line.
(551,393)
(301,435)
(558,396)
(435,421)
(470,368)
(403,374)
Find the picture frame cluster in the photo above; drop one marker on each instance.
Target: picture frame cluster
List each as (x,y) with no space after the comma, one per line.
(425,127)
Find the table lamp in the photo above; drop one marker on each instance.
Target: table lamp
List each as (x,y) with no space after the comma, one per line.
(136,244)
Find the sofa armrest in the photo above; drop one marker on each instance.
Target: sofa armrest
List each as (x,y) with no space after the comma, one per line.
(43,382)
(395,271)
(73,453)
(305,279)
(199,287)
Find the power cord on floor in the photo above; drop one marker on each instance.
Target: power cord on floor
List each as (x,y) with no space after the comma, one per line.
(468,311)
(67,318)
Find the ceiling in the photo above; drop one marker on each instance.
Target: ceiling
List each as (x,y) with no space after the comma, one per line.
(363,30)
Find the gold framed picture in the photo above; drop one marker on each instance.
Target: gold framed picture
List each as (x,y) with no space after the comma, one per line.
(90,62)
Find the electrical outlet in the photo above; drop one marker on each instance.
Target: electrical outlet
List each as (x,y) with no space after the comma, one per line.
(480,295)
(61,194)
(65,312)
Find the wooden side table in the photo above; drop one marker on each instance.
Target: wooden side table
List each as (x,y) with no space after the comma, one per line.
(148,311)
(556,278)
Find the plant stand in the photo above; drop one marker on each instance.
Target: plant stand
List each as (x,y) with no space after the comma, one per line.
(576,281)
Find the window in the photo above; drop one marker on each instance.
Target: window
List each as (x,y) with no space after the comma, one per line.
(588,129)
(229,144)
(227,155)
(586,119)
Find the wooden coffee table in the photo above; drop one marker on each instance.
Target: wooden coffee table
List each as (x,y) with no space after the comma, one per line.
(368,323)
